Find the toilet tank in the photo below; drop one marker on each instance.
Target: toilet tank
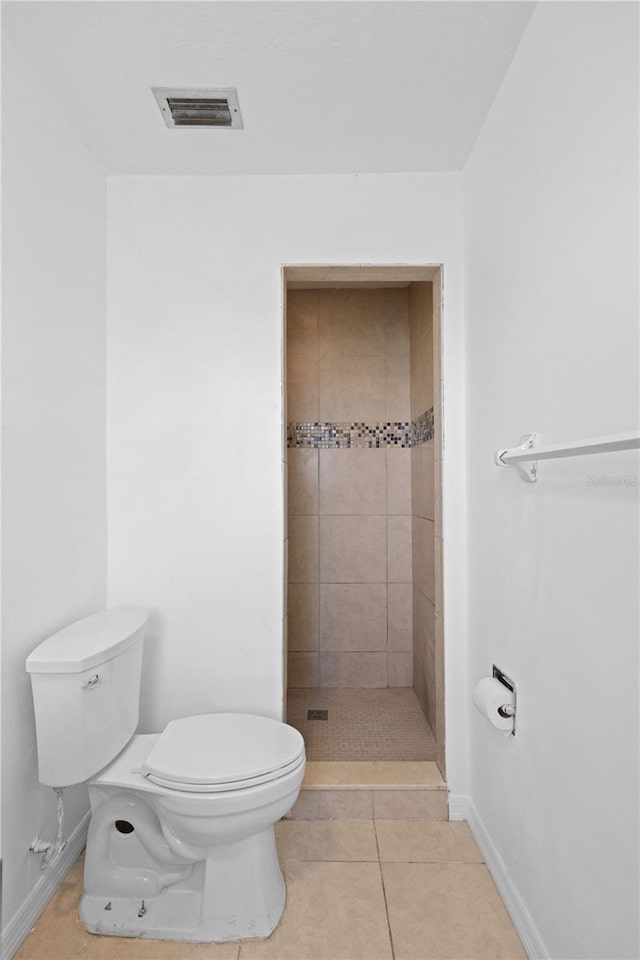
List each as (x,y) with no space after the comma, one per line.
(86,693)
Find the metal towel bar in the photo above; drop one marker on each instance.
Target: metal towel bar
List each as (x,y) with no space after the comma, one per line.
(528,453)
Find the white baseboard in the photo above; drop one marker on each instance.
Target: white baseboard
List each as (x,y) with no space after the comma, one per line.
(24,919)
(462,808)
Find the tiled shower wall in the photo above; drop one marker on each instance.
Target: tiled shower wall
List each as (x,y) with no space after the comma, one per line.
(423,501)
(349,488)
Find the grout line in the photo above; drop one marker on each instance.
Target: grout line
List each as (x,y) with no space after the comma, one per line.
(384,891)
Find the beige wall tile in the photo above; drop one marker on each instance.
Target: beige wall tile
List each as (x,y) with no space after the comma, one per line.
(398,480)
(352,549)
(399,549)
(302,370)
(425,644)
(304,617)
(420,684)
(353,617)
(398,389)
(353,670)
(437,550)
(437,341)
(303,670)
(418,550)
(302,389)
(421,348)
(352,389)
(345,804)
(398,403)
(326,840)
(398,368)
(423,556)
(400,667)
(397,321)
(302,403)
(422,480)
(351,323)
(303,481)
(411,805)
(285,572)
(302,323)
(439,656)
(284,467)
(426,360)
(439,731)
(319,923)
(424,654)
(437,498)
(352,481)
(438,437)
(420,310)
(400,616)
(422,375)
(284,421)
(445,911)
(303,549)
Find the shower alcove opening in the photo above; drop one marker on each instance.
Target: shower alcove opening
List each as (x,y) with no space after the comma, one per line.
(362,454)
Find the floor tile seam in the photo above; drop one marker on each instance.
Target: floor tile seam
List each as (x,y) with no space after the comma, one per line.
(290,859)
(458,863)
(374,787)
(435,863)
(384,894)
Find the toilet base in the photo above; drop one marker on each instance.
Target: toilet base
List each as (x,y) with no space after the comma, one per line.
(239,894)
(175,915)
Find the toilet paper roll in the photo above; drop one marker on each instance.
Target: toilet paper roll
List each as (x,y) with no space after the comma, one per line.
(488,696)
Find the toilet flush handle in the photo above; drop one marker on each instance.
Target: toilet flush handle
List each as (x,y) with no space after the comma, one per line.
(92,682)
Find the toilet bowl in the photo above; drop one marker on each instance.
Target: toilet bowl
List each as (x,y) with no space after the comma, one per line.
(181,838)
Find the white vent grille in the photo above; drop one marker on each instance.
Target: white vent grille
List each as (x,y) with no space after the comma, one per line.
(197,107)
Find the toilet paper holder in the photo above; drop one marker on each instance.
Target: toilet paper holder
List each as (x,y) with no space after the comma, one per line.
(507,709)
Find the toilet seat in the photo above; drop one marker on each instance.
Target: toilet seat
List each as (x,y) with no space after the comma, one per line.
(223,751)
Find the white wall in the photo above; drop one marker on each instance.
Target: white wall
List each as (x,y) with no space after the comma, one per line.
(194,422)
(551,233)
(53,430)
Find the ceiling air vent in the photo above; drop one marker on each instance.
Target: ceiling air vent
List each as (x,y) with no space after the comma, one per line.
(196,107)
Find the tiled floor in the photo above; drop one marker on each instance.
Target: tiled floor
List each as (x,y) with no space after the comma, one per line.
(363,724)
(356,890)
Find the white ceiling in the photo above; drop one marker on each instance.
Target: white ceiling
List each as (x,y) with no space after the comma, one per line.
(324,87)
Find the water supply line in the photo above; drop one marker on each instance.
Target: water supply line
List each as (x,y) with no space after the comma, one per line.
(50,851)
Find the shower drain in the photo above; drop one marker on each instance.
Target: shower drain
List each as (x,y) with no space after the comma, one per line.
(317,714)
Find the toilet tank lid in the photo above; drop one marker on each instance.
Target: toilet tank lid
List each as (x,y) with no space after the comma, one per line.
(88,642)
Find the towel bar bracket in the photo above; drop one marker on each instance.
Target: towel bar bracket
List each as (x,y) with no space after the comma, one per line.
(529,468)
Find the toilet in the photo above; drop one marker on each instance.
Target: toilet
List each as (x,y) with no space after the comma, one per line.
(181,837)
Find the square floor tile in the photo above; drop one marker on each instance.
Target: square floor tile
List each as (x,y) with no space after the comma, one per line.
(437,841)
(334,911)
(326,840)
(447,911)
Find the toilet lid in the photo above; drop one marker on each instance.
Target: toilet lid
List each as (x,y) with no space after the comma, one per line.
(222,748)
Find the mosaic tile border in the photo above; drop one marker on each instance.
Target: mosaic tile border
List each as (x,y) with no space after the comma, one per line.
(422,428)
(334,435)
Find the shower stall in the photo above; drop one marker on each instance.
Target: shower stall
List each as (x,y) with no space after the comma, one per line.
(364,619)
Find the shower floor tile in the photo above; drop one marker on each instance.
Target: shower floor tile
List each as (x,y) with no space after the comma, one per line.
(362,724)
